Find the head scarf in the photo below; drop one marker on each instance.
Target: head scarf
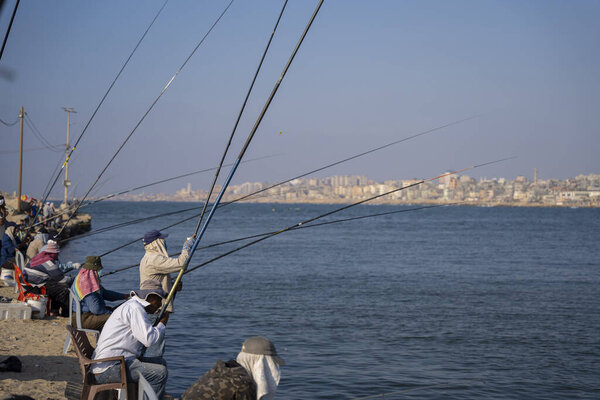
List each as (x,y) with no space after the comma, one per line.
(86,282)
(157,246)
(42,258)
(264,370)
(10,232)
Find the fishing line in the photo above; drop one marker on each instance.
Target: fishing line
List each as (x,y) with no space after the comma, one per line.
(102,100)
(341,209)
(12,18)
(300,227)
(300,176)
(199,235)
(41,138)
(149,109)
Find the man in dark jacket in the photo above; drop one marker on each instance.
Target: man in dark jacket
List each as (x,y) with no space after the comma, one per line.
(253,376)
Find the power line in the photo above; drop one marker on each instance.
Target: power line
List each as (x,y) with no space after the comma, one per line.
(9,124)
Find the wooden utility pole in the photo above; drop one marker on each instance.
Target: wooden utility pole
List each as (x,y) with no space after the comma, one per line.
(67,182)
(21,115)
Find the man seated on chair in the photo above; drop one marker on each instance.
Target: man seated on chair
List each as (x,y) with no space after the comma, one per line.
(254,375)
(92,296)
(127,332)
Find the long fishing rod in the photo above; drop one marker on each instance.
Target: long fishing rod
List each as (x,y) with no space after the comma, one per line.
(110,196)
(148,111)
(218,169)
(100,104)
(12,18)
(341,209)
(303,175)
(237,121)
(236,164)
(337,221)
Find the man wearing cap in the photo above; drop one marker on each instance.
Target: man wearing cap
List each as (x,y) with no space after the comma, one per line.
(156,263)
(127,332)
(92,296)
(253,376)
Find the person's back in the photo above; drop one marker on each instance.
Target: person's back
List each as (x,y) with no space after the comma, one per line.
(253,375)
(225,381)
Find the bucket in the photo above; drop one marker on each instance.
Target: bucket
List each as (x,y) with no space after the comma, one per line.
(38,307)
(8,277)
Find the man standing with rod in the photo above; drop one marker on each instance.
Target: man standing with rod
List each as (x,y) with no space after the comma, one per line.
(199,235)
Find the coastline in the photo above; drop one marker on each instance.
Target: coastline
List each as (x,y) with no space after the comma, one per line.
(38,343)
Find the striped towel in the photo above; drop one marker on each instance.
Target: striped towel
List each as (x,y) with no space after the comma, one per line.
(86,282)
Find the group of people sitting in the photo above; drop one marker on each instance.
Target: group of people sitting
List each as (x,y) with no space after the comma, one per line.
(131,328)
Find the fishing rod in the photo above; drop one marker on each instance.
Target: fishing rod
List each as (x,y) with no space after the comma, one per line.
(12,18)
(237,121)
(305,174)
(337,221)
(149,109)
(341,209)
(199,234)
(99,105)
(218,169)
(110,196)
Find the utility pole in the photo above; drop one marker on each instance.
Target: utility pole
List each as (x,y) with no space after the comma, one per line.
(21,115)
(67,182)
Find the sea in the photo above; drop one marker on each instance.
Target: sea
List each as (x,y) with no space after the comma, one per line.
(450,302)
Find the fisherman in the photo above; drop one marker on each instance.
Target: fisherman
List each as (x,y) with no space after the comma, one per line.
(39,241)
(48,212)
(157,265)
(126,332)
(92,296)
(254,375)
(46,270)
(10,243)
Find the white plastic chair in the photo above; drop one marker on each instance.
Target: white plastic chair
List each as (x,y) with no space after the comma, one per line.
(145,391)
(73,298)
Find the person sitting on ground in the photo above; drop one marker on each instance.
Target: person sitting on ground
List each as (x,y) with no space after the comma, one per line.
(46,270)
(254,375)
(39,240)
(126,333)
(92,296)
(10,243)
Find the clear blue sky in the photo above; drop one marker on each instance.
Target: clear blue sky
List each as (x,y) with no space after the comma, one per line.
(368,73)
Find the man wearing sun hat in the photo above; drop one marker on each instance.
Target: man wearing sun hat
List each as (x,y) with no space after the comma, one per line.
(126,332)
(92,295)
(253,375)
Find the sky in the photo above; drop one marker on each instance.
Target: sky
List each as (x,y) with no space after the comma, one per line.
(368,73)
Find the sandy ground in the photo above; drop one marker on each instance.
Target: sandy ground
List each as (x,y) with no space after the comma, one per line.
(38,344)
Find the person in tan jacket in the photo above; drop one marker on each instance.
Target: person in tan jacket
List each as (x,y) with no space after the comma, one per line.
(158,266)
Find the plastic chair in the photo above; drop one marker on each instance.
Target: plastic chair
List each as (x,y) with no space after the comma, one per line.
(21,286)
(20,260)
(73,299)
(145,391)
(84,351)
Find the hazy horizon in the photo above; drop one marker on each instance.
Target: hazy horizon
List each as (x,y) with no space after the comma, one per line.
(367,74)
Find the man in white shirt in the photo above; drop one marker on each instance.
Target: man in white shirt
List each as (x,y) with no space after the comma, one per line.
(127,332)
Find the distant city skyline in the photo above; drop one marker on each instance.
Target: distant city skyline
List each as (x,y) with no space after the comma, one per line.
(367,74)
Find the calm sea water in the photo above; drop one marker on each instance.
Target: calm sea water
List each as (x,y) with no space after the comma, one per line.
(450,302)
